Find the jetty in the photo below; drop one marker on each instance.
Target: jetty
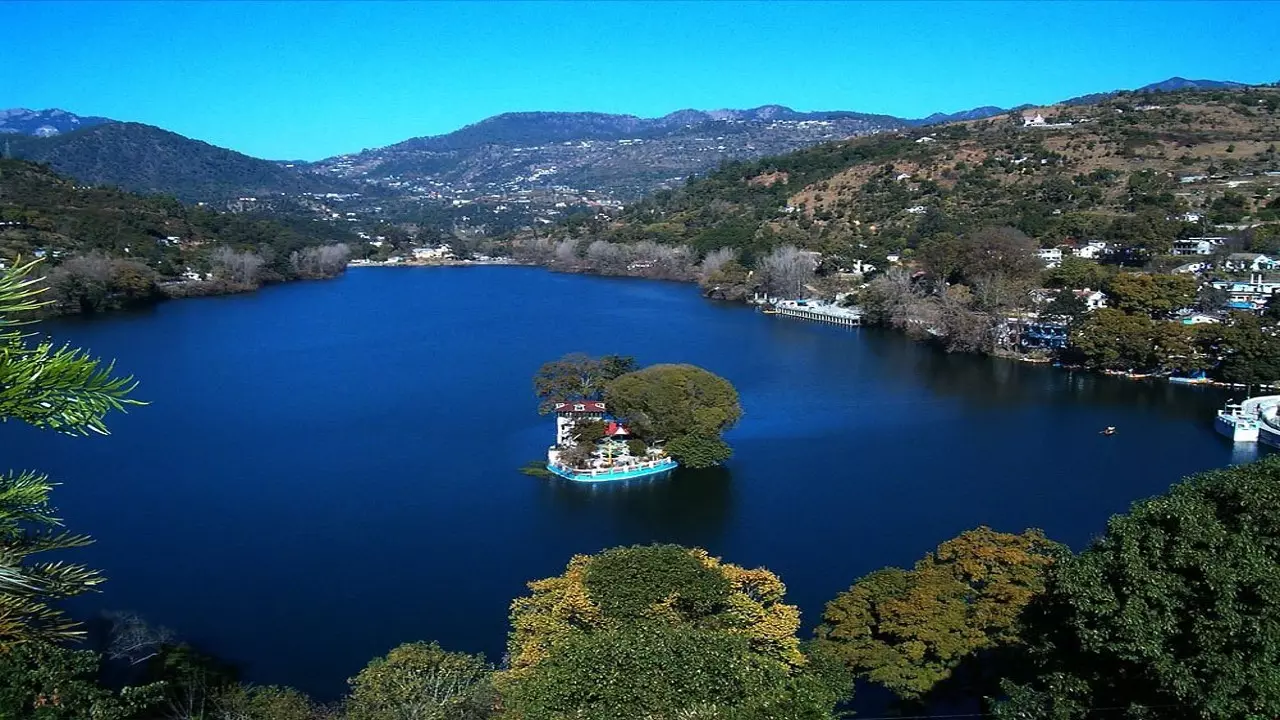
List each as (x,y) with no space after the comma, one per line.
(814,310)
(1254,420)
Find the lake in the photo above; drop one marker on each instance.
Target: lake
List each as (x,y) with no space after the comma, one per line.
(328,469)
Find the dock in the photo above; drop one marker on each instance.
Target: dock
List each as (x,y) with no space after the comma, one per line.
(1254,420)
(817,311)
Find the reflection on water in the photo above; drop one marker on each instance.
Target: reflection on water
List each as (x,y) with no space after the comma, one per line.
(687,506)
(991,383)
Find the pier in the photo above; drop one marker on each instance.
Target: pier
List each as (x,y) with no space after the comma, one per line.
(1254,420)
(817,311)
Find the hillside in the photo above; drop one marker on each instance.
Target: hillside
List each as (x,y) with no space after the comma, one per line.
(44,123)
(1127,169)
(616,156)
(96,235)
(147,159)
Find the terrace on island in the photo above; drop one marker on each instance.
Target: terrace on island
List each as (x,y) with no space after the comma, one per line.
(591,446)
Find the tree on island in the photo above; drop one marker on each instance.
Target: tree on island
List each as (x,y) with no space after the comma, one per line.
(910,630)
(663,632)
(683,406)
(1173,614)
(577,376)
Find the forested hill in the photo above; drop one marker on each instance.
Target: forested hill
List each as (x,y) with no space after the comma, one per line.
(1127,169)
(93,239)
(147,159)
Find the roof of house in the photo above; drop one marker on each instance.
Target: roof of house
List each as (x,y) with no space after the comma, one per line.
(580,406)
(616,429)
(1245,256)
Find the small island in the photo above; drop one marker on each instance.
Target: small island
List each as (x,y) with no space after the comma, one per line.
(616,422)
(591,446)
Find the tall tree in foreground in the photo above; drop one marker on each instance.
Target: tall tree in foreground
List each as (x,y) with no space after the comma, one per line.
(1173,614)
(909,630)
(663,632)
(57,388)
(421,681)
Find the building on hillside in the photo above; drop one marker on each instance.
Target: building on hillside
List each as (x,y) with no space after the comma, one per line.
(1091,250)
(1249,262)
(1194,246)
(1042,334)
(1051,257)
(1252,295)
(1093,299)
(440,252)
(1199,318)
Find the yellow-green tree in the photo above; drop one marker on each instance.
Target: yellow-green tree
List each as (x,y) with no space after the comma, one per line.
(684,406)
(422,681)
(658,631)
(908,630)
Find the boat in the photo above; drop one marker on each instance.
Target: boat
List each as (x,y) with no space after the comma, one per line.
(1198,378)
(1109,430)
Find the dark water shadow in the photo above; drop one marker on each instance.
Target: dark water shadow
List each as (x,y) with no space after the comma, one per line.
(692,507)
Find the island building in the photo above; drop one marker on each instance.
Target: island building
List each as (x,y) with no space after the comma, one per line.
(616,455)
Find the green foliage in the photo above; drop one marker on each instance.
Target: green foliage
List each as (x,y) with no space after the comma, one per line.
(421,681)
(1173,614)
(699,450)
(628,582)
(650,670)
(663,632)
(58,388)
(577,377)
(269,702)
(40,681)
(1248,347)
(910,629)
(1157,296)
(1077,273)
(683,405)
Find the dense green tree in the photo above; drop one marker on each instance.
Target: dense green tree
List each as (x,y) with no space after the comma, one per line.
(908,630)
(266,702)
(1066,306)
(663,632)
(1248,348)
(421,681)
(41,681)
(1077,273)
(1173,614)
(1115,340)
(682,405)
(1158,296)
(577,376)
(58,388)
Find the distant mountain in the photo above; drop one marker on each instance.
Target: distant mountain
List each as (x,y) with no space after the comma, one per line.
(618,155)
(44,123)
(1173,84)
(980,113)
(1177,83)
(146,159)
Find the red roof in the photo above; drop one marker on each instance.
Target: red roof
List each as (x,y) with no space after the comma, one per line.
(616,429)
(581,406)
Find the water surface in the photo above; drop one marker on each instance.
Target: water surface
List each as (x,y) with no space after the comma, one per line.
(329,469)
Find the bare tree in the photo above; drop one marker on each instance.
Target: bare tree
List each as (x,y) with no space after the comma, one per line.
(323,261)
(566,253)
(241,268)
(131,639)
(608,258)
(714,261)
(786,271)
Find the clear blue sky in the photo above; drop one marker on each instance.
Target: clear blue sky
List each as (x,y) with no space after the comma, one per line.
(302,80)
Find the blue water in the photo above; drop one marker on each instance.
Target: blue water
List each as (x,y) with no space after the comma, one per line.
(329,469)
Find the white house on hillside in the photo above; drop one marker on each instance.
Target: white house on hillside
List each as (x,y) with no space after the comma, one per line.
(1249,262)
(1052,257)
(1091,251)
(1093,299)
